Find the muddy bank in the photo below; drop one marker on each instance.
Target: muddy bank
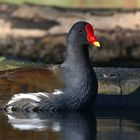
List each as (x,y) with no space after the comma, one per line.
(39,32)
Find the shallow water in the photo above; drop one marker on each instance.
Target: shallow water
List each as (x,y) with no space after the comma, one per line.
(101,125)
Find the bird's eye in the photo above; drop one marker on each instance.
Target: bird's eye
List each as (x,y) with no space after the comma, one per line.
(80,30)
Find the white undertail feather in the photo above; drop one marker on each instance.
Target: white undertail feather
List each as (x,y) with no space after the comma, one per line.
(20,96)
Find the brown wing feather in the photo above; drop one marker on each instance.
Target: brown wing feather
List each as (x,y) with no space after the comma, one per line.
(29,80)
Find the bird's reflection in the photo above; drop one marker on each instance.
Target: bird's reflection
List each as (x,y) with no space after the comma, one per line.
(71,125)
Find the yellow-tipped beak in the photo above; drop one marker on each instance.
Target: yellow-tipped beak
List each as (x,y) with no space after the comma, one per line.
(96,44)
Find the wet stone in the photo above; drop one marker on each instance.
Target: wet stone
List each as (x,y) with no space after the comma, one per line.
(130,80)
(108,81)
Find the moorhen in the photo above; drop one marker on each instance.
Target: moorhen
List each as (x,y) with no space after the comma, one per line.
(69,86)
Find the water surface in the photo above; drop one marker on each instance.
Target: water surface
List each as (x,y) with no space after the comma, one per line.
(101,125)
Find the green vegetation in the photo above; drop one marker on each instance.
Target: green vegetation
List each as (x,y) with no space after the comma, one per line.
(49,2)
(83,3)
(22,1)
(10,64)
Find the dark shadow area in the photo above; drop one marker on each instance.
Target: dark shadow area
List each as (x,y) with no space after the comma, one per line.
(118,113)
(32,23)
(119,62)
(130,101)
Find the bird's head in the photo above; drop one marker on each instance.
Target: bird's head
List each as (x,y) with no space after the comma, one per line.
(83,33)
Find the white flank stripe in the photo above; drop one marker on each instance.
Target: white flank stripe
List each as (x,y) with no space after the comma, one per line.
(18,97)
(33,96)
(57,92)
(42,94)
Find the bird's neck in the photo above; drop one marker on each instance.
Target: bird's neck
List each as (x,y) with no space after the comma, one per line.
(77,65)
(76,54)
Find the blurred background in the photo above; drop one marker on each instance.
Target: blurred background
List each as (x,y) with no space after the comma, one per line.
(83,3)
(33,31)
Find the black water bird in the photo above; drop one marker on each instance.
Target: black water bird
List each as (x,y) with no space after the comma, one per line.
(69,86)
